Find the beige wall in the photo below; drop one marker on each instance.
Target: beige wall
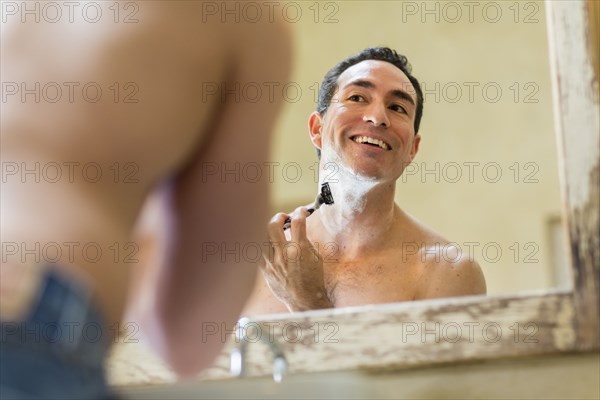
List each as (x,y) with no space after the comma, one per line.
(455,130)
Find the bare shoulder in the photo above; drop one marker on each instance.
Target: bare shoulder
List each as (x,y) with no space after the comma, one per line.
(451,274)
(445,269)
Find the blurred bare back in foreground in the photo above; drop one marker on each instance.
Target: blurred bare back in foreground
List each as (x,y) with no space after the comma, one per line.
(152,129)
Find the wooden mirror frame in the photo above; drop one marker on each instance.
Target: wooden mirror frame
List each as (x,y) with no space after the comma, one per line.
(400,335)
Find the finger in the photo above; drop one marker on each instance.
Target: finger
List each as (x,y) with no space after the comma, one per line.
(270,271)
(266,268)
(298,229)
(270,261)
(277,241)
(310,208)
(263,262)
(276,234)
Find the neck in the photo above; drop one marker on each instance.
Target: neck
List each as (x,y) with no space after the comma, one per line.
(363,212)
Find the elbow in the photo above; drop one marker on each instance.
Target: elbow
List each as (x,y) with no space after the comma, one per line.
(184,352)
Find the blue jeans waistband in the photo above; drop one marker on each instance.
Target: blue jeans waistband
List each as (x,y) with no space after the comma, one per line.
(59,349)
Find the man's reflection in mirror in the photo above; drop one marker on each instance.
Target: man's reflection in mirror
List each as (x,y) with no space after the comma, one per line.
(363,249)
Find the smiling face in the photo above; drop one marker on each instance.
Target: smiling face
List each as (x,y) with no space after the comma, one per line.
(369,125)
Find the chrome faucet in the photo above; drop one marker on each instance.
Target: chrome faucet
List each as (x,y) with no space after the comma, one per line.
(237,356)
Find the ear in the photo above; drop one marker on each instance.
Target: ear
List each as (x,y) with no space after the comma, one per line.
(415,147)
(315,124)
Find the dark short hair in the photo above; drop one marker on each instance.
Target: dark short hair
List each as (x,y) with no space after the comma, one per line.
(329,84)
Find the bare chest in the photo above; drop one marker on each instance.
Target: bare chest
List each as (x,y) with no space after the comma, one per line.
(371,281)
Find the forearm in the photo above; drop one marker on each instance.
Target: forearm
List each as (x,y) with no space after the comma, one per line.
(195,316)
(199,294)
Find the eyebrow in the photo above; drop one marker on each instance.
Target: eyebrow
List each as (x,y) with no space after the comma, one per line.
(398,93)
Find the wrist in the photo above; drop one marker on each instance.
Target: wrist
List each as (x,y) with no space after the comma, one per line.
(318,301)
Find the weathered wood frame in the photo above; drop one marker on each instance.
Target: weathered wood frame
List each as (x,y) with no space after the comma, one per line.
(478,327)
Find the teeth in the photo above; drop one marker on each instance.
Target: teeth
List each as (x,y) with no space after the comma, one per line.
(365,139)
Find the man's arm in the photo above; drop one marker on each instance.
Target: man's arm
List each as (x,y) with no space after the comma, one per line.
(201,290)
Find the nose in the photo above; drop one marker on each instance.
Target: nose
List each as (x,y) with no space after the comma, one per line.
(376,114)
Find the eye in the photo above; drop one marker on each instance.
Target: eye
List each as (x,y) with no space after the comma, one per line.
(356,97)
(398,108)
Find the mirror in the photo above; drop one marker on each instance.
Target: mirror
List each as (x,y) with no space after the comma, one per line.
(522,207)
(486,174)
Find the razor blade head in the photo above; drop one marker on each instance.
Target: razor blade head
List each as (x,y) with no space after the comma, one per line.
(326,193)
